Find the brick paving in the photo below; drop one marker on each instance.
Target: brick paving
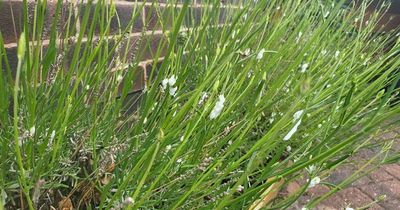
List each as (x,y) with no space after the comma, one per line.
(377,190)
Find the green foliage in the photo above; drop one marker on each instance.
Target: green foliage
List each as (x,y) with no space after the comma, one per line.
(274,91)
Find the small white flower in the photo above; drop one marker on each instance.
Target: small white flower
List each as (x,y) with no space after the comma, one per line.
(169,82)
(218,107)
(233,34)
(154,106)
(87,87)
(304,67)
(128,201)
(164,83)
(297,115)
(291,132)
(299,37)
(326,14)
(250,73)
(172,80)
(314,182)
(182,138)
(271,120)
(349,208)
(172,91)
(145,120)
(168,148)
(52,135)
(179,160)
(319,125)
(311,168)
(304,208)
(247,52)
(260,54)
(245,16)
(240,188)
(32,131)
(203,98)
(337,53)
(119,78)
(288,148)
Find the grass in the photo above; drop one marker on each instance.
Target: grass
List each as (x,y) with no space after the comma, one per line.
(276,91)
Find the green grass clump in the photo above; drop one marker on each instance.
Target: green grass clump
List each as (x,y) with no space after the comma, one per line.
(274,91)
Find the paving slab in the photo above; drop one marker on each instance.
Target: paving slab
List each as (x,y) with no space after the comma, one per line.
(377,190)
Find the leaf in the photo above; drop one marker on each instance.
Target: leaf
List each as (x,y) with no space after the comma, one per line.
(65,204)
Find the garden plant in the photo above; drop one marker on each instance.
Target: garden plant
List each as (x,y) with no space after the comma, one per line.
(232,108)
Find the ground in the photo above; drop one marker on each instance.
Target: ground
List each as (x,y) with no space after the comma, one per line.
(377,190)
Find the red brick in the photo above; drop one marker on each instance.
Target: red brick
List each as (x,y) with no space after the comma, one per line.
(333,202)
(388,135)
(161,16)
(318,190)
(374,190)
(389,20)
(392,188)
(354,197)
(7,23)
(323,207)
(375,207)
(155,16)
(131,103)
(365,154)
(362,181)
(328,207)
(380,175)
(390,204)
(340,174)
(146,48)
(393,169)
(396,146)
(389,189)
(139,80)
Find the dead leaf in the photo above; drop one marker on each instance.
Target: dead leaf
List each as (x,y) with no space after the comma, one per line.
(268,195)
(110,167)
(106,179)
(65,204)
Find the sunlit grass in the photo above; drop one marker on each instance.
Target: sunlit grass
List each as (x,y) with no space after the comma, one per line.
(277,90)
